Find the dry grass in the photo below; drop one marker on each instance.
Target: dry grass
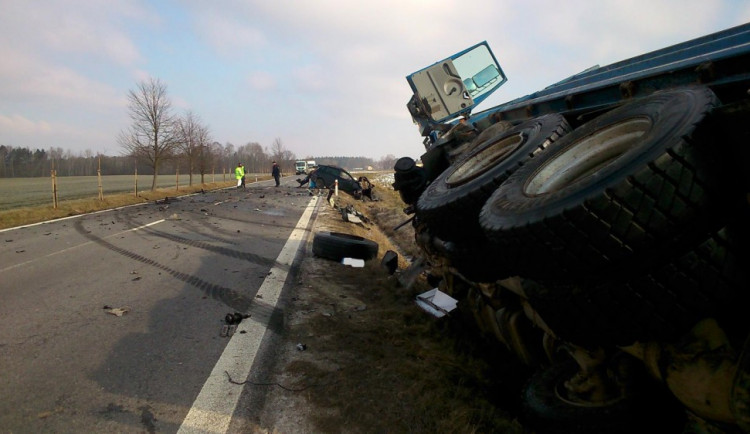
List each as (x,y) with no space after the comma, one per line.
(382,364)
(28,215)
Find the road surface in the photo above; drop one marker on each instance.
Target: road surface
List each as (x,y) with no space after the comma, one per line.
(172,271)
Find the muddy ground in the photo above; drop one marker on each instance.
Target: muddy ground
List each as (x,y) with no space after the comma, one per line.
(373,361)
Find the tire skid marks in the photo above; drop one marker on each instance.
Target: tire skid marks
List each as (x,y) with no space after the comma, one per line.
(228,296)
(232,253)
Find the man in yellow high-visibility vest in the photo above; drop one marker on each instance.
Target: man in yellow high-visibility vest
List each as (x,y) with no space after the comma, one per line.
(239,173)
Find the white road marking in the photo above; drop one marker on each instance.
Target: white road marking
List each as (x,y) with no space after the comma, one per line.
(78,245)
(213,408)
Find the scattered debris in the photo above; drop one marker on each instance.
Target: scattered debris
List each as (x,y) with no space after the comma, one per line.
(20,251)
(235,318)
(301,347)
(407,278)
(353,262)
(135,279)
(116,311)
(360,308)
(436,302)
(390,261)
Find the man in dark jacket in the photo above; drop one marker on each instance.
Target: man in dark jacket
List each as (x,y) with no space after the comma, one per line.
(276,173)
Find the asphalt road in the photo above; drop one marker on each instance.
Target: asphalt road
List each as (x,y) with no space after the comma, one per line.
(68,363)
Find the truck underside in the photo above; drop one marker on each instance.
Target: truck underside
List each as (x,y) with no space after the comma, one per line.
(598,229)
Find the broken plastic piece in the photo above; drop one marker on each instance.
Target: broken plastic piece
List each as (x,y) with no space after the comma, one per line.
(436,302)
(390,261)
(353,262)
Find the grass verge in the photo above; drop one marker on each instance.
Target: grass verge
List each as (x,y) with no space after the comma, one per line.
(375,361)
(28,215)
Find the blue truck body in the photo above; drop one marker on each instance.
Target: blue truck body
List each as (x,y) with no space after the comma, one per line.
(604,217)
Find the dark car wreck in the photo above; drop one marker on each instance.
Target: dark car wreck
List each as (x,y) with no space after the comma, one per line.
(325,176)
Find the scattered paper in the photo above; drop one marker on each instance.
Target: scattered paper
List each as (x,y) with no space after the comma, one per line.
(353,262)
(436,302)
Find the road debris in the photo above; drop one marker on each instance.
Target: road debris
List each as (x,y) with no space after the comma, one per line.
(116,311)
(232,320)
(390,261)
(436,302)
(353,262)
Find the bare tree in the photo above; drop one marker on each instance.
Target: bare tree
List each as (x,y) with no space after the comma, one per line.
(151,136)
(277,149)
(207,153)
(281,154)
(188,130)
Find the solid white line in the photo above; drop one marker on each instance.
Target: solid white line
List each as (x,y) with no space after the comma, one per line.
(213,408)
(79,245)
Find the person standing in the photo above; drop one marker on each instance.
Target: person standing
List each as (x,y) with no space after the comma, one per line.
(276,173)
(239,173)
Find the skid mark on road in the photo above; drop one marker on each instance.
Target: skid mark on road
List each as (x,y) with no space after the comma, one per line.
(213,408)
(228,296)
(224,251)
(79,245)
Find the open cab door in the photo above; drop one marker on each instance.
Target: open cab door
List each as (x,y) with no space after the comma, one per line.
(453,86)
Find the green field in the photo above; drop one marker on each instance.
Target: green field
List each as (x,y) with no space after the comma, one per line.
(24,192)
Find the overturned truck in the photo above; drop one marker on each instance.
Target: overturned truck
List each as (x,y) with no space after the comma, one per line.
(599,228)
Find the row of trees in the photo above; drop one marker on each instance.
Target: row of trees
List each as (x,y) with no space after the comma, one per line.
(25,163)
(158,141)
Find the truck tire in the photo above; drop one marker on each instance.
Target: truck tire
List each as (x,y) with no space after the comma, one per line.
(450,205)
(337,246)
(622,190)
(662,304)
(547,409)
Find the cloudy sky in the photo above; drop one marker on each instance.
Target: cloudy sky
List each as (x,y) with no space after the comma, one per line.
(326,77)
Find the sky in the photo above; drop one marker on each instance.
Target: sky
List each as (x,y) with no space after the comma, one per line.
(325,77)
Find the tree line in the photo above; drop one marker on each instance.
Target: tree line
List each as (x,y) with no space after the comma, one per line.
(158,141)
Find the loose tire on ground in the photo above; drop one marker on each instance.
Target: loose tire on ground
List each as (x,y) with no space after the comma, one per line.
(450,205)
(623,190)
(336,246)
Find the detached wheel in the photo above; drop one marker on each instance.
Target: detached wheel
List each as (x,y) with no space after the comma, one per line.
(337,246)
(627,189)
(450,205)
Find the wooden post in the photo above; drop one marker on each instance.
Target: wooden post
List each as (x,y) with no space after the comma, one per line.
(136,180)
(99,178)
(53,174)
(177,173)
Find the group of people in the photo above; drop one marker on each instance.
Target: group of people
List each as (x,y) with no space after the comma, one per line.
(239,174)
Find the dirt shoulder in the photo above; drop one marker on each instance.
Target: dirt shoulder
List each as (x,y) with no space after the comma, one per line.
(373,361)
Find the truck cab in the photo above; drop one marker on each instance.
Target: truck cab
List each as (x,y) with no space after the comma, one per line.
(300,167)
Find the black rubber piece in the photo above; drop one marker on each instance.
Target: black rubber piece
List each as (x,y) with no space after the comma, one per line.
(450,205)
(637,206)
(337,246)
